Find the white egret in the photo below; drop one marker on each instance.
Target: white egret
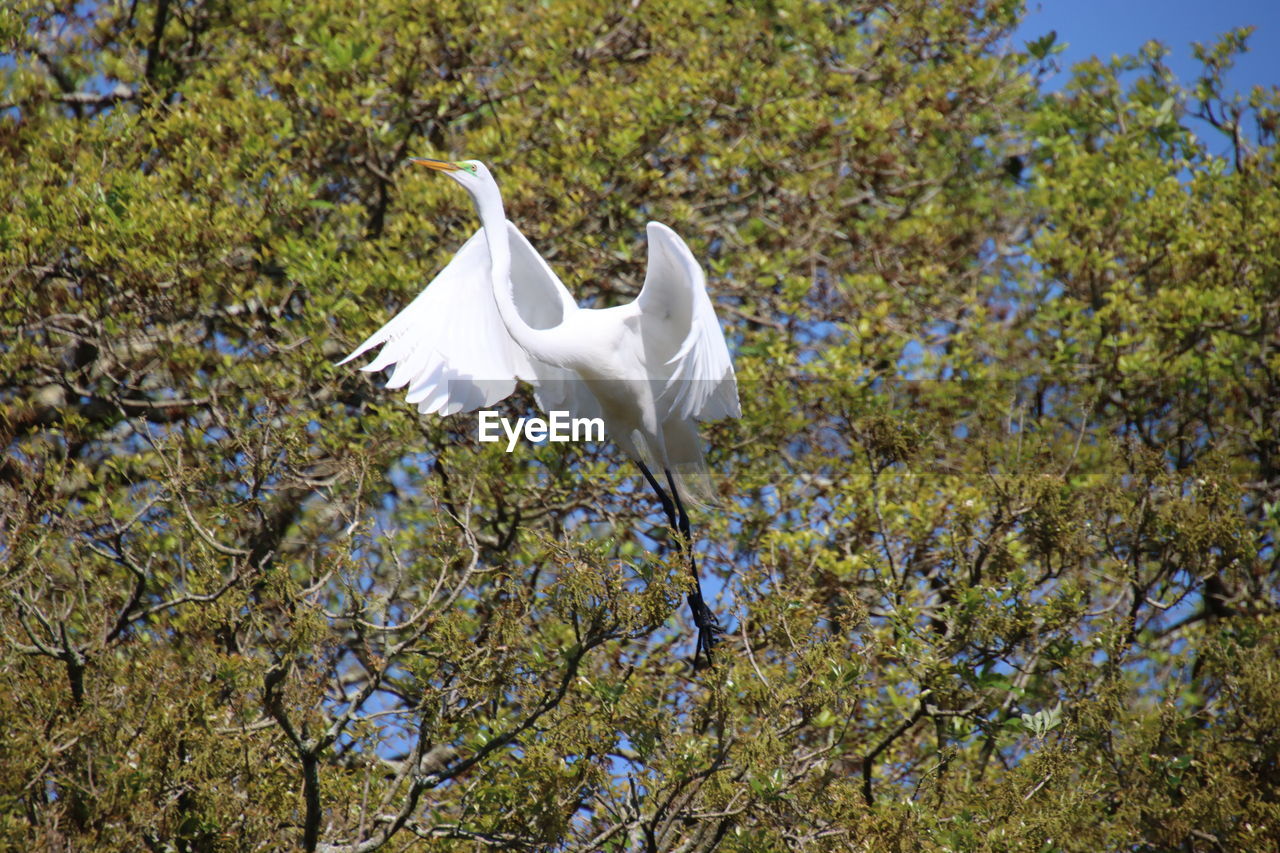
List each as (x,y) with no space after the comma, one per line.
(649,369)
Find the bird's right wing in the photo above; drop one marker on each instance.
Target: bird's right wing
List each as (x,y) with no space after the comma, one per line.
(450,346)
(676,312)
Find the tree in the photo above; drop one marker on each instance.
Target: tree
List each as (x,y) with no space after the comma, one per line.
(996,533)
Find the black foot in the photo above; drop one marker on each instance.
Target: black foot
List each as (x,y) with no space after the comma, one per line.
(708,630)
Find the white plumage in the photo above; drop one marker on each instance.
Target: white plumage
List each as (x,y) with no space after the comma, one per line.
(497,314)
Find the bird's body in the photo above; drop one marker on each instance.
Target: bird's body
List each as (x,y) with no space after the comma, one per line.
(497,313)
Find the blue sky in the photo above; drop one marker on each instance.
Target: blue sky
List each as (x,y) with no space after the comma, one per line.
(1106,27)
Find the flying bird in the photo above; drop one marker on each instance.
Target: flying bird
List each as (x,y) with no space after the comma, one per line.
(649,369)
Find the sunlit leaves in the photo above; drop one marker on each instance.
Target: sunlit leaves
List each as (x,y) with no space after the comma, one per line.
(994,539)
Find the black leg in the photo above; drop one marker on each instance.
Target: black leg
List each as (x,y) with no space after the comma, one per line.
(685,529)
(667,506)
(708,627)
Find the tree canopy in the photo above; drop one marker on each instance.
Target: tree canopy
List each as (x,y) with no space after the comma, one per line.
(995,536)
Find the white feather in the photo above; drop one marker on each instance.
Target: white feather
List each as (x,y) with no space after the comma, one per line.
(497,314)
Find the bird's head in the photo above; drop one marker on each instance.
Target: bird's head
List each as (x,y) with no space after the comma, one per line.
(472,174)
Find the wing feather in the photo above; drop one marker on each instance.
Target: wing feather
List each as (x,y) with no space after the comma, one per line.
(449,346)
(677,315)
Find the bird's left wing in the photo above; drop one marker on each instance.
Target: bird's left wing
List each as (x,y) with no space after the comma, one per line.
(676,312)
(450,346)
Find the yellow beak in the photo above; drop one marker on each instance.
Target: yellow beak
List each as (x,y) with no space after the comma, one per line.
(438,165)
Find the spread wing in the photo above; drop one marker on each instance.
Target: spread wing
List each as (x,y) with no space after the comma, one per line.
(450,347)
(683,340)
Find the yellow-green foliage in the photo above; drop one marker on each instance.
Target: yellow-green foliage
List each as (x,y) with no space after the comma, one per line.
(995,535)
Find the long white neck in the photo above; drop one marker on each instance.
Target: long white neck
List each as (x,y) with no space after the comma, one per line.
(538,343)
